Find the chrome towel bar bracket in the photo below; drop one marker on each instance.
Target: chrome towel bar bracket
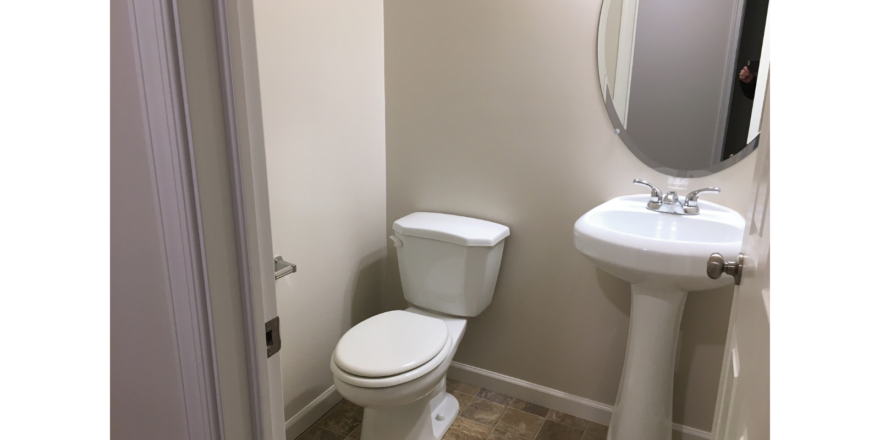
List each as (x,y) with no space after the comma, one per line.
(283,268)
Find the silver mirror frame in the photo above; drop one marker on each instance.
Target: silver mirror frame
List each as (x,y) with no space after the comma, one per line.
(628,141)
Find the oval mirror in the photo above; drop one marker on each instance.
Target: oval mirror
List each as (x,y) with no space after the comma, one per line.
(684,80)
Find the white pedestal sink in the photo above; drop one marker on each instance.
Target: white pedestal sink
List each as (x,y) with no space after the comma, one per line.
(664,257)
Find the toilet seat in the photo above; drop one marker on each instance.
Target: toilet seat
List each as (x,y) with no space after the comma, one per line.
(390,349)
(390,381)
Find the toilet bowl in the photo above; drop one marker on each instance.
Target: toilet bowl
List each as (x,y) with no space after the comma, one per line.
(394,364)
(417,406)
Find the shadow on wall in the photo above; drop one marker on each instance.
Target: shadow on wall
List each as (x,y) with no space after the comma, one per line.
(612,287)
(392,290)
(704,326)
(618,293)
(366,289)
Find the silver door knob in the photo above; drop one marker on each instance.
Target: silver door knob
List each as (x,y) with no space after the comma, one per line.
(716,266)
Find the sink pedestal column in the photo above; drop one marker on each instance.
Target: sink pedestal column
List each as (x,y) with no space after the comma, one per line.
(643,410)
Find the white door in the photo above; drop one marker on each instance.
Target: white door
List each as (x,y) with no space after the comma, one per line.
(742,411)
(217,49)
(237,38)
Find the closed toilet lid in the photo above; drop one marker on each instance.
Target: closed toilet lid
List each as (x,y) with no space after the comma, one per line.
(390,343)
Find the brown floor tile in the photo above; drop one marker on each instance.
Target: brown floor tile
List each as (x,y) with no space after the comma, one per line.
(499,435)
(356,434)
(483,411)
(452,384)
(350,403)
(530,408)
(557,431)
(342,419)
(519,423)
(465,388)
(566,419)
(464,429)
(597,429)
(316,433)
(462,398)
(450,387)
(494,397)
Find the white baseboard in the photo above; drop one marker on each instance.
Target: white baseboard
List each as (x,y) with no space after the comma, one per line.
(532,393)
(554,399)
(307,416)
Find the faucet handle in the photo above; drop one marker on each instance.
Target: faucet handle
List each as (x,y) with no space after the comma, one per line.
(690,201)
(656,194)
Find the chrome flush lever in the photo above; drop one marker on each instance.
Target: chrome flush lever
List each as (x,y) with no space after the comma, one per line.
(656,195)
(690,201)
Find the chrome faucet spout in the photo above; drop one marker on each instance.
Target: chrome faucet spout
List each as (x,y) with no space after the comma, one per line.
(671,198)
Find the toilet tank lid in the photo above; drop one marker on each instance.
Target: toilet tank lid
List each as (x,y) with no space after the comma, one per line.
(464,231)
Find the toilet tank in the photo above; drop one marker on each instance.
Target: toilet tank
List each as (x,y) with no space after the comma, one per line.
(448,263)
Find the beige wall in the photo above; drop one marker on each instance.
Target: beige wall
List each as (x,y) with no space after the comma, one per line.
(494,111)
(323,97)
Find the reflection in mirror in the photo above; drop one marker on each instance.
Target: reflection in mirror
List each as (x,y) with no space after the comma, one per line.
(684,80)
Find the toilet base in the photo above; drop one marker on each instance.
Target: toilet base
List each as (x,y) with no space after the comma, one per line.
(427,418)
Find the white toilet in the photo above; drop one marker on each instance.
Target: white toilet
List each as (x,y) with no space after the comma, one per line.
(394,364)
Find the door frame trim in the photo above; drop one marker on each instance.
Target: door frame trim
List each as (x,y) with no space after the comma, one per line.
(162,80)
(154,34)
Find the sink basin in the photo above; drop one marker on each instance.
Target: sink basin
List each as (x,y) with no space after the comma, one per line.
(664,257)
(625,239)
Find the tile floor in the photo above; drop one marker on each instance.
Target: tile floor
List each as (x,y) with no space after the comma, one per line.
(484,414)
